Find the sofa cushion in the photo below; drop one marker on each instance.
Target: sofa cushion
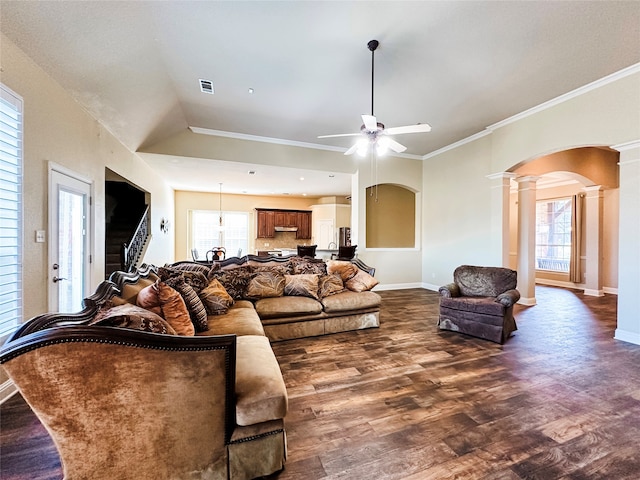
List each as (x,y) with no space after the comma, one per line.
(261,394)
(148,298)
(174,310)
(361,282)
(129,291)
(265,285)
(215,298)
(287,307)
(330,285)
(348,300)
(300,265)
(344,268)
(133,317)
(191,267)
(196,308)
(196,279)
(305,285)
(234,280)
(237,321)
(486,305)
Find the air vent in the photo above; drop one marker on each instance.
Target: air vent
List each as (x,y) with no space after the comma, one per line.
(206,86)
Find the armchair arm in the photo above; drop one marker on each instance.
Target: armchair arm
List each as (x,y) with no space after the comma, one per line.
(450,290)
(508,298)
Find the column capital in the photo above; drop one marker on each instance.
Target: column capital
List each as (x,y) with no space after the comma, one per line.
(527,178)
(501,175)
(598,189)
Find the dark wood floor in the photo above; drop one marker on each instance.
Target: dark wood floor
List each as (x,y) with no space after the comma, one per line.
(560,400)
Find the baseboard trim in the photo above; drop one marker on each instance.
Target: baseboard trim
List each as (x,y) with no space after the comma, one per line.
(626,336)
(577,286)
(529,302)
(397,286)
(7,390)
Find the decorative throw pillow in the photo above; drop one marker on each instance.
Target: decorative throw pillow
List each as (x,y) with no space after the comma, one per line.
(174,310)
(361,282)
(345,269)
(196,309)
(265,285)
(148,298)
(281,269)
(330,285)
(304,285)
(133,317)
(190,267)
(235,280)
(215,298)
(308,266)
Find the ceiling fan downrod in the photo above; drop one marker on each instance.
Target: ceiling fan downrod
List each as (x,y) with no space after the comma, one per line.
(373,44)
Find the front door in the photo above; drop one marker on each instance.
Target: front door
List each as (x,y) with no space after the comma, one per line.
(69,256)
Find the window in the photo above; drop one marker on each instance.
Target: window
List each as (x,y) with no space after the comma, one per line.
(205,233)
(10,210)
(553,235)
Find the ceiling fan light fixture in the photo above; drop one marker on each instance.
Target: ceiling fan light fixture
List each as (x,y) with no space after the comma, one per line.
(382,146)
(362,147)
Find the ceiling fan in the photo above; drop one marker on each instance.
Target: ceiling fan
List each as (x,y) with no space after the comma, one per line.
(374,133)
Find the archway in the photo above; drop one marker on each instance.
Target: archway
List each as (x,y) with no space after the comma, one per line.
(591,172)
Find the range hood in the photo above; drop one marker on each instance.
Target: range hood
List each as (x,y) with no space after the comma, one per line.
(286,229)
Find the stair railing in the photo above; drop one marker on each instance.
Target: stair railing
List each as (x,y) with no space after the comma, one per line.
(132,250)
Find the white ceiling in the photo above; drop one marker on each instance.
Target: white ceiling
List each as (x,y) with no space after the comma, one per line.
(459,66)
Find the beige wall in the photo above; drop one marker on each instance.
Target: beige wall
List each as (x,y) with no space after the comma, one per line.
(57,130)
(391,212)
(186,201)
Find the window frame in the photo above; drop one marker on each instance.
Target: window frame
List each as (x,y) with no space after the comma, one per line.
(554,263)
(222,239)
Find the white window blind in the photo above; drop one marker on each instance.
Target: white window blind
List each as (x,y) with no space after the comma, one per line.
(10,210)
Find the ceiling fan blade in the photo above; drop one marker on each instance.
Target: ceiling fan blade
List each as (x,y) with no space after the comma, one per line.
(370,123)
(340,135)
(395,146)
(418,128)
(351,150)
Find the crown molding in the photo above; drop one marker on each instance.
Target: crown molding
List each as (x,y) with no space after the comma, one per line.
(280,141)
(625,72)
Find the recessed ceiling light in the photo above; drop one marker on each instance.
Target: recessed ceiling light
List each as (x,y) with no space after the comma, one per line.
(301,179)
(252,172)
(251,90)
(331,175)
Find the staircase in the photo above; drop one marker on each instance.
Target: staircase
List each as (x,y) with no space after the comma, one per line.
(118,232)
(125,229)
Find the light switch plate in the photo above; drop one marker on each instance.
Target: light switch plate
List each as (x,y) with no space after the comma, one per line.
(40,236)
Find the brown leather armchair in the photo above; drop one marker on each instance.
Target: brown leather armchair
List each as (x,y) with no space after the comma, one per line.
(480,302)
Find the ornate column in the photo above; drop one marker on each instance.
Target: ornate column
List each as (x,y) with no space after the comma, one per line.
(527,239)
(594,205)
(500,186)
(629,244)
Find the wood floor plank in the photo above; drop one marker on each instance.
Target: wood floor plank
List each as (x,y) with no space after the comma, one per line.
(406,401)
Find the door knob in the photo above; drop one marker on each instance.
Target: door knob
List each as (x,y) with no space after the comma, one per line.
(58,279)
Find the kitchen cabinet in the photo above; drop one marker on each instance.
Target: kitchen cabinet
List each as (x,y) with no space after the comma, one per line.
(266,224)
(304,225)
(268,220)
(284,218)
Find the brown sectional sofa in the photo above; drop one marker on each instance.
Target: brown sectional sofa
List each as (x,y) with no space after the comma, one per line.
(124,403)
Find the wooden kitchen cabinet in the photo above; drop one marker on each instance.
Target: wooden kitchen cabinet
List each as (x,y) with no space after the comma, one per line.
(284,218)
(266,224)
(304,225)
